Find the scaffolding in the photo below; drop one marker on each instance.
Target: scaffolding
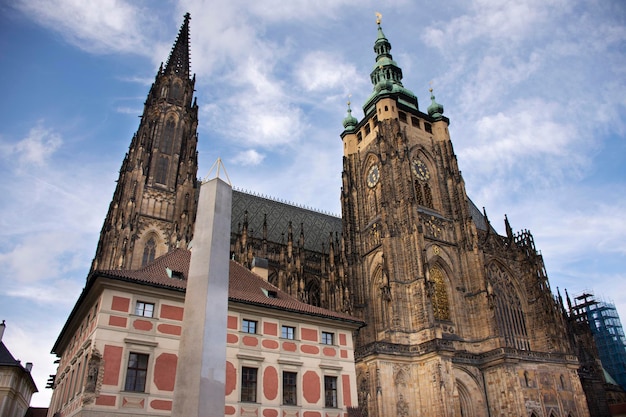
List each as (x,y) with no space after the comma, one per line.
(608,333)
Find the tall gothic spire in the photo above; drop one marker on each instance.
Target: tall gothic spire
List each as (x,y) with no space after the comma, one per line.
(178,61)
(154,204)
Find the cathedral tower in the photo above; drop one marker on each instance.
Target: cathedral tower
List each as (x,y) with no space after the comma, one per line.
(460,321)
(154,203)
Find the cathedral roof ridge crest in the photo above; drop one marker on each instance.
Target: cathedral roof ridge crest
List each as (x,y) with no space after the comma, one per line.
(287,202)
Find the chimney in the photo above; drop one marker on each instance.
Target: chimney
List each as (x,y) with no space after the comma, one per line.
(259,267)
(29,366)
(2,327)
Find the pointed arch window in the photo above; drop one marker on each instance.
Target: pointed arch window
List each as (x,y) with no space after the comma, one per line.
(423,193)
(149,251)
(175,91)
(441,306)
(465,400)
(167,141)
(162,169)
(312,293)
(508,309)
(421,183)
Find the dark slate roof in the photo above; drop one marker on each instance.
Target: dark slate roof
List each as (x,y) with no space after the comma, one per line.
(6,358)
(477,216)
(36,412)
(244,286)
(317,226)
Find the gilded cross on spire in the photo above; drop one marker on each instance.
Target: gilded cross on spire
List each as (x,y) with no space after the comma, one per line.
(378,18)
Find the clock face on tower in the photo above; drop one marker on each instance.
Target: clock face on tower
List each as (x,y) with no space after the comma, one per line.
(372,176)
(420,170)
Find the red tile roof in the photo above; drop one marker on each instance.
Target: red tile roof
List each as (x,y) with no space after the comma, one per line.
(156,273)
(244,286)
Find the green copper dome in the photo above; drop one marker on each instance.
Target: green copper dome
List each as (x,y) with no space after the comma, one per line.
(435,110)
(350,122)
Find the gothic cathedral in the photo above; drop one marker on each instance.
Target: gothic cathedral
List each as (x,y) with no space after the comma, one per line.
(461,321)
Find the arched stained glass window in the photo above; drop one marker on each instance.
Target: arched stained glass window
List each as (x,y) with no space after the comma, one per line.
(149,251)
(508,309)
(441,306)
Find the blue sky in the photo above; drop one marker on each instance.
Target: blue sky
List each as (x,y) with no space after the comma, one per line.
(535,91)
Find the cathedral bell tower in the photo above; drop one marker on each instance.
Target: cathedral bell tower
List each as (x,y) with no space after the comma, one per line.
(460,320)
(154,203)
(408,240)
(402,198)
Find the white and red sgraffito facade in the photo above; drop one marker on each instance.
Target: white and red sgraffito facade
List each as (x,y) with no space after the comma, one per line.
(103,331)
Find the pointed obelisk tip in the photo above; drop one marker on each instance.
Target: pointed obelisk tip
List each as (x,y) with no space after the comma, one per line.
(215,170)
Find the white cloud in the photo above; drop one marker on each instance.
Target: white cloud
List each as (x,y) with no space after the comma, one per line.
(43,256)
(259,111)
(129,110)
(102,27)
(146,81)
(249,157)
(526,143)
(35,149)
(502,22)
(321,71)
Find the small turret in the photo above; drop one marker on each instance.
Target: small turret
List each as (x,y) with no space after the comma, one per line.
(435,110)
(507,226)
(350,122)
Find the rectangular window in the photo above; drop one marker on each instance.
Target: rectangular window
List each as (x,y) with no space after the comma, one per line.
(415,121)
(289,388)
(327,338)
(144,309)
(137,372)
(288,332)
(248,326)
(330,391)
(248,385)
(402,116)
(428,128)
(367,129)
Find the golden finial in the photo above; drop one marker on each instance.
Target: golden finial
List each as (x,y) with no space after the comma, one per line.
(349,97)
(430,83)
(378,18)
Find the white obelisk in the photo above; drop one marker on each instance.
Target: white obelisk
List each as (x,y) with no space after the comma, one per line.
(201,369)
